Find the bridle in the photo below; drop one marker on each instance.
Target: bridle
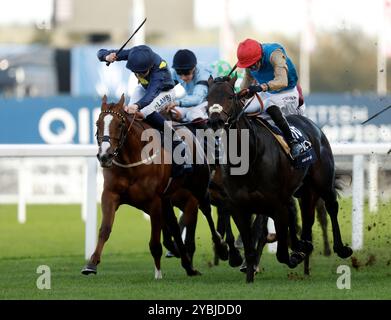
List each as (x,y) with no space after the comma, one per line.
(123,133)
(219,109)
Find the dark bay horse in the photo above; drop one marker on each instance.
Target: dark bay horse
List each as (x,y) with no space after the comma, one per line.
(130,178)
(217,196)
(271,181)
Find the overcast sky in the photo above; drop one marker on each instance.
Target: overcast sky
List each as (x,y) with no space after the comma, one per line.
(286,16)
(327,14)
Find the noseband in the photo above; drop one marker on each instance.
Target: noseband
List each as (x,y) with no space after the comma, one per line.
(123,132)
(217,108)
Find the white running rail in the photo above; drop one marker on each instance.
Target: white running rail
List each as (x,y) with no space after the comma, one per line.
(357,150)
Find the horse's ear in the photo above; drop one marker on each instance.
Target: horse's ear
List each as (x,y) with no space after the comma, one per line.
(233,79)
(121,101)
(210,80)
(104,99)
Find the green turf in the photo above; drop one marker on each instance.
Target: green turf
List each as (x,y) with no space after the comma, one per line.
(54,236)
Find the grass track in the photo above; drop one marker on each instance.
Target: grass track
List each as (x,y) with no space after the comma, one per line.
(54,236)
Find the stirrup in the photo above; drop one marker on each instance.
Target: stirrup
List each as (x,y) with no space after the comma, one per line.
(296,149)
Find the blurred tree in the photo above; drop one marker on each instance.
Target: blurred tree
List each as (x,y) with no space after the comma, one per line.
(341,61)
(344,61)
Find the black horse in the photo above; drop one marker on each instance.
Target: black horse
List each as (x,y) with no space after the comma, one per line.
(267,188)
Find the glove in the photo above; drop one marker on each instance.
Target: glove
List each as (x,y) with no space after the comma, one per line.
(254,88)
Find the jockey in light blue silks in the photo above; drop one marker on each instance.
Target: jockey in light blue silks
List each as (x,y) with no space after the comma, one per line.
(193,77)
(275,76)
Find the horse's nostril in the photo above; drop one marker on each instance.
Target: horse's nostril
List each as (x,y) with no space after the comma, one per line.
(103,158)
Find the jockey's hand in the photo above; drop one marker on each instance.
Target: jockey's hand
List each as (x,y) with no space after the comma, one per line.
(170,106)
(131,109)
(140,115)
(111,57)
(252,89)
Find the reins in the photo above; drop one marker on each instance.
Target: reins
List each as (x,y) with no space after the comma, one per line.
(122,141)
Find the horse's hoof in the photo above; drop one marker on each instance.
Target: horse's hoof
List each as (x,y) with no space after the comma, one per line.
(250,277)
(89,269)
(193,272)
(222,250)
(295,258)
(243,268)
(305,246)
(169,254)
(344,252)
(235,259)
(158,274)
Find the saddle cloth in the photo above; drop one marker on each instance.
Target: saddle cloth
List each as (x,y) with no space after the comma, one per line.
(307,155)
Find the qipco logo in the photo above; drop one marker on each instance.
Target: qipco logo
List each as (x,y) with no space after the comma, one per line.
(58,126)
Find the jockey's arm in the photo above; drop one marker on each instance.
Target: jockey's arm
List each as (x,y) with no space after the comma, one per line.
(153,89)
(103,53)
(278,61)
(247,80)
(199,95)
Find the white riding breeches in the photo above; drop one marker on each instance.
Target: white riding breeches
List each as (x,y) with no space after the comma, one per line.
(163,99)
(287,101)
(192,113)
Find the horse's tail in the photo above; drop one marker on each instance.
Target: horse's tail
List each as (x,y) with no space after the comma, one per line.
(340,183)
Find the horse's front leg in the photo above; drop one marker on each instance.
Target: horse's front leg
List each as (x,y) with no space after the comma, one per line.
(281,222)
(110,203)
(221,248)
(172,223)
(243,222)
(156,218)
(234,257)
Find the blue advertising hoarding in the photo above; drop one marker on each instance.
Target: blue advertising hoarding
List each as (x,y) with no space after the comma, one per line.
(66,119)
(341,116)
(55,120)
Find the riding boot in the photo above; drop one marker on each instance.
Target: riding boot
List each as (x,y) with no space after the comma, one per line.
(157,121)
(201,125)
(280,121)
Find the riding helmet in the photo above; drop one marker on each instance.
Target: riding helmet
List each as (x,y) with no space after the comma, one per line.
(248,53)
(140,59)
(184,60)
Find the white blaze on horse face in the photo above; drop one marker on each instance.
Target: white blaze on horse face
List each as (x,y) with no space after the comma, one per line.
(106,132)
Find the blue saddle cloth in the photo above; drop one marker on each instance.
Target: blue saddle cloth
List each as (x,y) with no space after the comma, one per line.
(307,155)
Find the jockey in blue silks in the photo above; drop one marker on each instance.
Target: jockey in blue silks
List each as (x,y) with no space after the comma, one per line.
(155,90)
(275,76)
(193,77)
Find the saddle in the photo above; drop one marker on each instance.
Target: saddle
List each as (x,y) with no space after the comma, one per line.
(307,156)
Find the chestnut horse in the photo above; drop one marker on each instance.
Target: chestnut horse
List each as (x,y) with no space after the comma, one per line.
(139,181)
